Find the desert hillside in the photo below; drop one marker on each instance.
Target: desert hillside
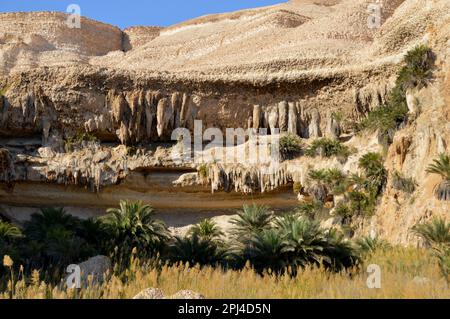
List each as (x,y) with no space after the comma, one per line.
(86,115)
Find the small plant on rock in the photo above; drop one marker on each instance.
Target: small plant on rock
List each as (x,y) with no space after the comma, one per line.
(297,187)
(290,146)
(203,171)
(309,209)
(407,185)
(327,148)
(375,173)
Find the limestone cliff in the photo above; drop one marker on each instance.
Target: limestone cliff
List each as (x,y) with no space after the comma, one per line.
(291,66)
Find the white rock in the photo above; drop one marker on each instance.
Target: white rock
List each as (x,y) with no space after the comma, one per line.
(150,293)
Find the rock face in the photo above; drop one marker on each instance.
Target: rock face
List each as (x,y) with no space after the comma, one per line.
(84,110)
(95,270)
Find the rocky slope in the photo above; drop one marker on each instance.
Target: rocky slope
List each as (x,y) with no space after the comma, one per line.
(288,66)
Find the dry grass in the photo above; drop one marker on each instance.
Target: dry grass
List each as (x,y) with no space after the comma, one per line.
(399,267)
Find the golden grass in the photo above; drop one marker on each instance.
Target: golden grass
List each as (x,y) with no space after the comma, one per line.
(399,267)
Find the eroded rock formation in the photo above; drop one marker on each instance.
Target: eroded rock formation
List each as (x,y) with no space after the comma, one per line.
(95,108)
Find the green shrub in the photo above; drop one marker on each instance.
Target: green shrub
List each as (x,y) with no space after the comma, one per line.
(54,238)
(362,203)
(77,140)
(297,187)
(9,240)
(333,179)
(417,71)
(309,209)
(327,148)
(407,185)
(375,173)
(368,245)
(441,166)
(203,170)
(3,90)
(290,146)
(343,211)
(385,118)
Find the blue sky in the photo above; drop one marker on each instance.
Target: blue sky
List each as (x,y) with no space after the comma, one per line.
(125,13)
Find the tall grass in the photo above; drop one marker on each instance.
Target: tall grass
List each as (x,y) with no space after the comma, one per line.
(399,267)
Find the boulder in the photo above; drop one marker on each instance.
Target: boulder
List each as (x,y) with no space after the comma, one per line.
(150,293)
(186,294)
(97,267)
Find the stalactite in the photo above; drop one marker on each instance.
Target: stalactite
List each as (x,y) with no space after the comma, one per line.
(246,179)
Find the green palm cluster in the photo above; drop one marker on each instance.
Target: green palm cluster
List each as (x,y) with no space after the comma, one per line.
(287,243)
(360,191)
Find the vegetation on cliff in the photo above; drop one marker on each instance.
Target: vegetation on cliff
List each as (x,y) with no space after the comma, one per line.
(415,74)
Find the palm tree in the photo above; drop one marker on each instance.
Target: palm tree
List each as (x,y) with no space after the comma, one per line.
(48,218)
(206,229)
(251,220)
(9,232)
(309,209)
(443,256)
(435,233)
(441,167)
(195,251)
(9,236)
(304,241)
(52,240)
(133,225)
(266,251)
(94,232)
(368,245)
(339,252)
